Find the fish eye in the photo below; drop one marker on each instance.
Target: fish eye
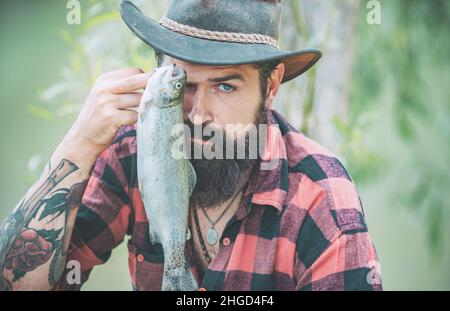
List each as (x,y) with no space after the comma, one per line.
(178,85)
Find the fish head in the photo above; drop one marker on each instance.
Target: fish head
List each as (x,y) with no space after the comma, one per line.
(170,86)
(164,89)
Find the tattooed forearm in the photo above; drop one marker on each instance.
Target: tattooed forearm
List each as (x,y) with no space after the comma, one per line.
(35,233)
(72,202)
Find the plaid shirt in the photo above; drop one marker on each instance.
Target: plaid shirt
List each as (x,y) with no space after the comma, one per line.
(300,226)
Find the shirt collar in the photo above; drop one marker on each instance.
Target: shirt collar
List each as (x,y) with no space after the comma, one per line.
(268,184)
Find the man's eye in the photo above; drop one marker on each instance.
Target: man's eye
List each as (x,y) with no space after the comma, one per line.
(223,87)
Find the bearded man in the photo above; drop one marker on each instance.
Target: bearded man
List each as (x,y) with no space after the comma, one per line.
(294,225)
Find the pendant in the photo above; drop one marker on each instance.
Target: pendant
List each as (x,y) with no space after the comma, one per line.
(211,236)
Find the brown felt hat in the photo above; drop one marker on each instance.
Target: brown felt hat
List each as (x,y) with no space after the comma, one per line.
(219,32)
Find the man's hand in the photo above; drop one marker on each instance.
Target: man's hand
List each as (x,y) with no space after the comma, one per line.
(107,108)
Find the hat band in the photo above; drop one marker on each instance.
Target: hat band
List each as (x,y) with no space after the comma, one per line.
(235,37)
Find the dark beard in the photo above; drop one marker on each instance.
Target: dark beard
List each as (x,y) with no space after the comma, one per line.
(219,179)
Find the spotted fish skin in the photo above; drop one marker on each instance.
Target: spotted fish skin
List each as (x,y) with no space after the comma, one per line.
(165,179)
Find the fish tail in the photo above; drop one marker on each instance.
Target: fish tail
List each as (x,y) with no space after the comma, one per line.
(179,279)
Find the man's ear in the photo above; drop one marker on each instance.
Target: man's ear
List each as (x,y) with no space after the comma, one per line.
(274,84)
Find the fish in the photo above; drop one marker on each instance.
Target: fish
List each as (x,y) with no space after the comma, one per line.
(166,180)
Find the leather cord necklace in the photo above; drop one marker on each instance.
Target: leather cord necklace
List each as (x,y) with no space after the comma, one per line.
(200,237)
(212,234)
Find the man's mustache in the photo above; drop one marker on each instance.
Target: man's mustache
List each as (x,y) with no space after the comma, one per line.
(213,137)
(205,135)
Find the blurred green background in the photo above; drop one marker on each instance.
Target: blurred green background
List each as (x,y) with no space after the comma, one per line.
(379,98)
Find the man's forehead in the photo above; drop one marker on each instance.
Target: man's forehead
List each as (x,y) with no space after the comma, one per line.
(198,72)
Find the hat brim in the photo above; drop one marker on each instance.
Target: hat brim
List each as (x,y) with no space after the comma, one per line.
(199,51)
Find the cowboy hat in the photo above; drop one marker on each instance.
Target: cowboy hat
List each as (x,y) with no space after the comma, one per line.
(219,33)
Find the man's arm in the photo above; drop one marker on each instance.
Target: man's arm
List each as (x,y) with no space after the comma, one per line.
(349,263)
(35,237)
(334,250)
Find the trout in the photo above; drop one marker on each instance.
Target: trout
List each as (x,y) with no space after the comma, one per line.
(165,180)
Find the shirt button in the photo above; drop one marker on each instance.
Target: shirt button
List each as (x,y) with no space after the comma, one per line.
(226,241)
(140,258)
(202,289)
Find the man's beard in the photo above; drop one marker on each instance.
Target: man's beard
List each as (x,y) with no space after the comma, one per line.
(219,179)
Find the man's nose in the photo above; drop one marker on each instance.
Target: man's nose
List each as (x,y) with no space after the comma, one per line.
(198,109)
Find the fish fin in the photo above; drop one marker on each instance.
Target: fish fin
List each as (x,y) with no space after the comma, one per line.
(179,279)
(192,178)
(141,189)
(188,234)
(144,110)
(154,239)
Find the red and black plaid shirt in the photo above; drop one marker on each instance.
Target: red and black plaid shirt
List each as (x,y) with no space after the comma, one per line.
(300,226)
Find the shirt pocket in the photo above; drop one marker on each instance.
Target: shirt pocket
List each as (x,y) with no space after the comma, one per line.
(146,269)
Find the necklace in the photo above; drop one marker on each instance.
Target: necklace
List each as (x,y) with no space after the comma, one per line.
(200,237)
(211,235)
(199,231)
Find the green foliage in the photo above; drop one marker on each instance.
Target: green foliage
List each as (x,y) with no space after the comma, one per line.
(363,161)
(93,52)
(40,112)
(402,80)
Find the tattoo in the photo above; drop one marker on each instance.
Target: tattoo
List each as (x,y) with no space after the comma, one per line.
(73,199)
(23,248)
(56,267)
(46,168)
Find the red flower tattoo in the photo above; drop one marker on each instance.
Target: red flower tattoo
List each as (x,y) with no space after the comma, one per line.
(28,251)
